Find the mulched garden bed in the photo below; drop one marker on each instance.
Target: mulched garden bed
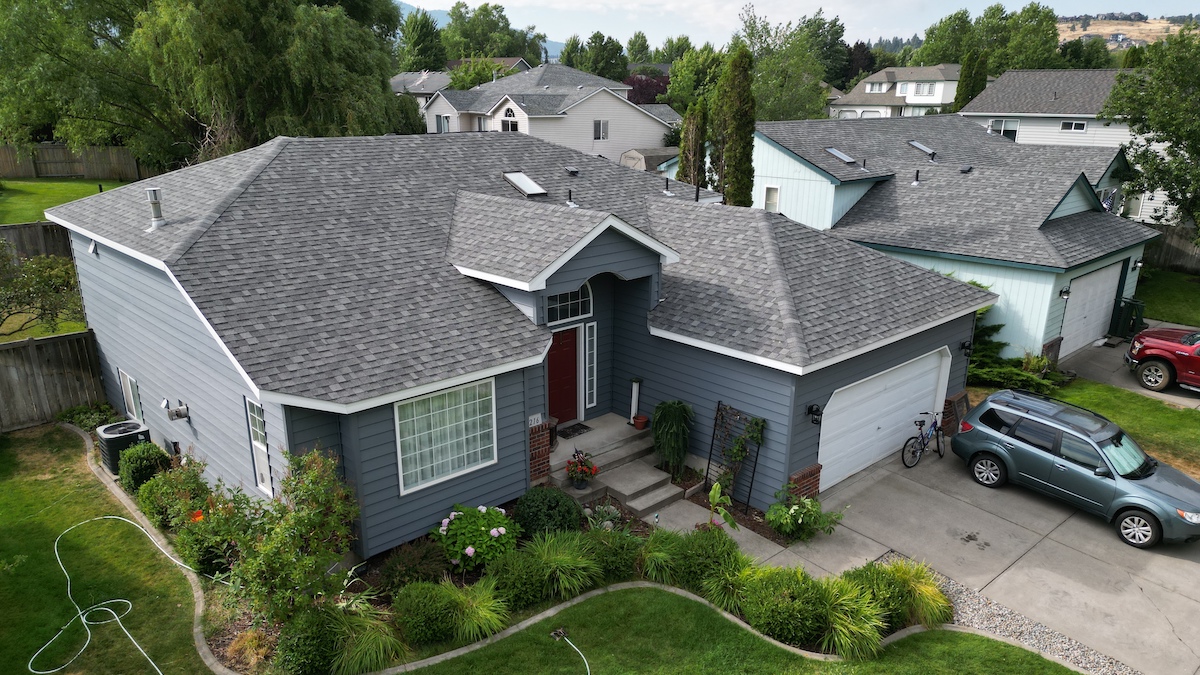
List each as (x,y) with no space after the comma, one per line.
(690,478)
(747,517)
(634,524)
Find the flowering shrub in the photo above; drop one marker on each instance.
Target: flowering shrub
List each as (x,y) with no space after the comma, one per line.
(474,537)
(581,468)
(800,517)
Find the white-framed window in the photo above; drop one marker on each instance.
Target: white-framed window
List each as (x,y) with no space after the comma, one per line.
(923,89)
(771,199)
(445,434)
(599,130)
(1006,128)
(876,87)
(589,365)
(480,124)
(1073,125)
(575,304)
(257,422)
(509,125)
(903,87)
(443,124)
(129,392)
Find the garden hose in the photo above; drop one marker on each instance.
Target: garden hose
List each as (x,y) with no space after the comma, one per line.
(561,633)
(85,615)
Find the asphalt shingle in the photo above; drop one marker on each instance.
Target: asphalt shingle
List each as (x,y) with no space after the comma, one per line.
(1045,92)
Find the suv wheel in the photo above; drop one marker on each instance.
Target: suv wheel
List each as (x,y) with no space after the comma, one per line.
(988,470)
(1138,528)
(1154,375)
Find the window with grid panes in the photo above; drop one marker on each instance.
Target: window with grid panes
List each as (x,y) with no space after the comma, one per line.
(571,305)
(442,435)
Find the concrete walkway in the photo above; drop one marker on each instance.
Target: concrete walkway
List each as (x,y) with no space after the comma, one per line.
(1107,365)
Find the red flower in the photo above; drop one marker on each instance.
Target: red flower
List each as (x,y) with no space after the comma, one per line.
(197,516)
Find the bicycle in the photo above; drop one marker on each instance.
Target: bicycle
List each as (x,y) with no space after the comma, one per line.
(916,446)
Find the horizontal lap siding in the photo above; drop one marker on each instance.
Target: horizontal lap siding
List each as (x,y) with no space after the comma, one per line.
(628,127)
(804,195)
(1048,131)
(670,370)
(610,252)
(144,326)
(1023,304)
(1078,200)
(389,519)
(441,107)
(313,429)
(818,386)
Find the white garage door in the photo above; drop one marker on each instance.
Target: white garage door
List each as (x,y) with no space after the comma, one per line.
(870,419)
(1089,309)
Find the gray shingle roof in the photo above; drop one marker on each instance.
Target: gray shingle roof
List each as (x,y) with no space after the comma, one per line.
(1045,92)
(762,284)
(548,89)
(496,235)
(662,111)
(859,95)
(423,82)
(994,211)
(321,261)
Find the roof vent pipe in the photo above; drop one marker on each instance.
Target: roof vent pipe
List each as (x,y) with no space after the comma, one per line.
(917,178)
(697,192)
(667,187)
(153,195)
(571,200)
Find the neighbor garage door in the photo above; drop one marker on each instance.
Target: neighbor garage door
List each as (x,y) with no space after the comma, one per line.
(870,419)
(1089,309)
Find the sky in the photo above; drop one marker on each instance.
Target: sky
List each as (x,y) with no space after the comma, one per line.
(715,20)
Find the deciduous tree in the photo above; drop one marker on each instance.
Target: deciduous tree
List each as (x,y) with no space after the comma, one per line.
(693,76)
(477,70)
(945,41)
(572,52)
(420,45)
(38,291)
(673,49)
(1033,39)
(604,56)
(638,48)
(1158,104)
(486,30)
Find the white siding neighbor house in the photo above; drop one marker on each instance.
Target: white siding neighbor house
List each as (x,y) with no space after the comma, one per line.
(899,92)
(1061,107)
(943,193)
(556,103)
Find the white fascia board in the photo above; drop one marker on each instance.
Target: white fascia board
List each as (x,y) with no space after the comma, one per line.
(639,108)
(395,397)
(160,265)
(503,98)
(495,278)
(804,370)
(666,254)
(1012,115)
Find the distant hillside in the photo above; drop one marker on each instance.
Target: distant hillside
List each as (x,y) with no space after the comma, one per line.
(1151,30)
(442,17)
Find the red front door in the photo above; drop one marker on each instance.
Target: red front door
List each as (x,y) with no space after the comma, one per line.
(564,377)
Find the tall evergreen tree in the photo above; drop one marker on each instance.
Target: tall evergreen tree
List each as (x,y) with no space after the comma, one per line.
(420,45)
(1135,57)
(967,77)
(862,60)
(733,126)
(692,152)
(638,48)
(571,54)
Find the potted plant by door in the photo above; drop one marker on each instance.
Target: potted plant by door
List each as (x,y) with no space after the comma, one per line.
(581,470)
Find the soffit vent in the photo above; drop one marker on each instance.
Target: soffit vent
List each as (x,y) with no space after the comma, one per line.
(526,185)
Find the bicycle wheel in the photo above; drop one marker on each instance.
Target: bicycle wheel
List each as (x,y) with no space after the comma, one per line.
(911,453)
(941,443)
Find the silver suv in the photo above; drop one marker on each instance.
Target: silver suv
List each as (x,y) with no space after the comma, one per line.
(1082,458)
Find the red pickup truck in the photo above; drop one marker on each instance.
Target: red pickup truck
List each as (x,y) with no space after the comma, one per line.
(1160,356)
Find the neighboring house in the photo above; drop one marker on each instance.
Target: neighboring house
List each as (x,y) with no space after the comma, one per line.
(559,104)
(899,92)
(1060,107)
(941,192)
(507,63)
(420,85)
(423,318)
(649,159)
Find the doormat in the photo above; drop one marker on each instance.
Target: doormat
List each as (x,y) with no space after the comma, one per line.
(574,430)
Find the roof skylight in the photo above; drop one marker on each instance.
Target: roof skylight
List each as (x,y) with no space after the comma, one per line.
(923,148)
(525,184)
(840,155)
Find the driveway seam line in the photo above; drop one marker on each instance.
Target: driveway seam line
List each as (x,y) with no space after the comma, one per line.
(1162,614)
(1022,556)
(987,511)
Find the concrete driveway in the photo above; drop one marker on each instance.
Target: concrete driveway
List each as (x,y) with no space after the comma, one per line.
(1037,556)
(1107,365)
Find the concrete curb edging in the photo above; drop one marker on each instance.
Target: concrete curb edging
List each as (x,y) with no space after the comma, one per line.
(197,592)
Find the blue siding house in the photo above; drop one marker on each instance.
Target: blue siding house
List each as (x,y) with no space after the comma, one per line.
(426,307)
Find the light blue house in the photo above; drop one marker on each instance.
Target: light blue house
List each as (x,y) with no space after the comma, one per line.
(423,306)
(943,193)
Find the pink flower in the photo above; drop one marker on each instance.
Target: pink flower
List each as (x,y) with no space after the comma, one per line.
(494,532)
(452,514)
(503,513)
(454,562)
(501,530)
(470,551)
(482,509)
(442,530)
(445,522)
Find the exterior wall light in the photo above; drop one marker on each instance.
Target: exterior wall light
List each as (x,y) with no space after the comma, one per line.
(1138,264)
(814,411)
(1065,293)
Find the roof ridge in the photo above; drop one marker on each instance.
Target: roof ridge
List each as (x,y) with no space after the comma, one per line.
(793,329)
(179,250)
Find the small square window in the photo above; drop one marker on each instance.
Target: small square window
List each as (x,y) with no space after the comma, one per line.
(599,130)
(1073,126)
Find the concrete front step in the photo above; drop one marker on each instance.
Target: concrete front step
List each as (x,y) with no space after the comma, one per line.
(630,481)
(655,500)
(594,491)
(613,455)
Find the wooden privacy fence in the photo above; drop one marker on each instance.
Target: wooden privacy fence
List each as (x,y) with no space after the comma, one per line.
(40,238)
(50,160)
(41,377)
(1175,249)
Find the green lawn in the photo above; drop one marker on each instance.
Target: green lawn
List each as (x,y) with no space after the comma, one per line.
(1171,296)
(1171,434)
(37,330)
(23,201)
(652,631)
(45,488)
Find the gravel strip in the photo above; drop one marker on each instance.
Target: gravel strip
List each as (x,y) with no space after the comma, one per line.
(972,609)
